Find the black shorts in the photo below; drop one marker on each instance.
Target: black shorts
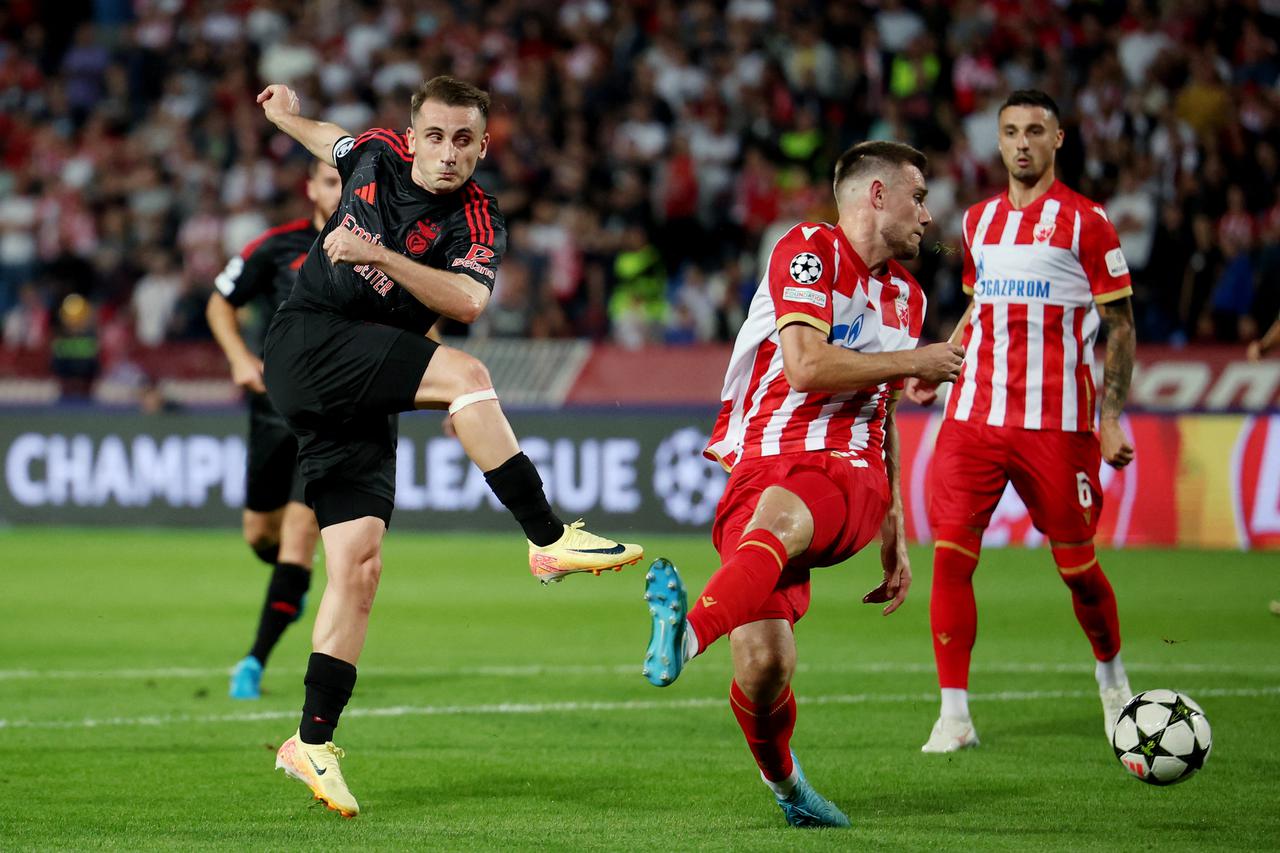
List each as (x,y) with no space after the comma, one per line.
(341,384)
(271,475)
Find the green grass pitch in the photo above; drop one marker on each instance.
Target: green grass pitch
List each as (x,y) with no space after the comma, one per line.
(492,713)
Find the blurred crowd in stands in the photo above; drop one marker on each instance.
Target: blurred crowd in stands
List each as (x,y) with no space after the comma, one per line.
(646,154)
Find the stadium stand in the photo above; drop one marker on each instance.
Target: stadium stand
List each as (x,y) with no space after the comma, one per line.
(646,153)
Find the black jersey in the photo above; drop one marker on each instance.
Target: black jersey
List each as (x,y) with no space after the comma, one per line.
(264,272)
(460,232)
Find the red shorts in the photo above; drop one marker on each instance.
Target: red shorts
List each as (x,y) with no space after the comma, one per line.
(1054,472)
(846,495)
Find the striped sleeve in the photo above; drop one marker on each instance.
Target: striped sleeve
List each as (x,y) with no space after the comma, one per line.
(348,150)
(477,236)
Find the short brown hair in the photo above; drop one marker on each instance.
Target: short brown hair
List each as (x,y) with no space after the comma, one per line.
(451,92)
(865,157)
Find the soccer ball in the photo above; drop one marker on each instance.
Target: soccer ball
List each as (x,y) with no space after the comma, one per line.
(1162,737)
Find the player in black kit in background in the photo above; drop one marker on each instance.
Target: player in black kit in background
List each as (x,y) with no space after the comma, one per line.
(413,239)
(278,525)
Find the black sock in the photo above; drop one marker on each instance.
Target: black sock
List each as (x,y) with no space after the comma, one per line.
(289,583)
(329,683)
(518,486)
(268,553)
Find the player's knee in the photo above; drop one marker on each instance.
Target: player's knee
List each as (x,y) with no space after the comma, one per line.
(764,672)
(299,529)
(357,579)
(471,384)
(367,575)
(785,516)
(959,542)
(471,376)
(1074,559)
(265,544)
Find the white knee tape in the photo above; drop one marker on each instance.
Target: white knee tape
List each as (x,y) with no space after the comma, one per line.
(474,397)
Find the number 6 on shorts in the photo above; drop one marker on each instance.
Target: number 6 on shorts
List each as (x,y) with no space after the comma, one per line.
(1083,490)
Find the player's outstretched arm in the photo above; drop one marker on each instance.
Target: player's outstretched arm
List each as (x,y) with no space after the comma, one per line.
(1117,371)
(812,363)
(893,530)
(282,108)
(449,294)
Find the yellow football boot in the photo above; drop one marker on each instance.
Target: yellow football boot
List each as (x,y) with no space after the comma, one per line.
(316,766)
(579,550)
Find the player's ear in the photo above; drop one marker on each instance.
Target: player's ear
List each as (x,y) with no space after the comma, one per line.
(410,141)
(484,145)
(877,193)
(1057,143)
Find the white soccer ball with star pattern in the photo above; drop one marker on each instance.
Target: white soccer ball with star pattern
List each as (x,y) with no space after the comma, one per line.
(1162,737)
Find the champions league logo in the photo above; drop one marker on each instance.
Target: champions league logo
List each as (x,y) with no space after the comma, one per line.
(688,483)
(806,268)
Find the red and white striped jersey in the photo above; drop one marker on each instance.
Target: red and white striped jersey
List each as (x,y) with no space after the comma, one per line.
(1036,276)
(814,277)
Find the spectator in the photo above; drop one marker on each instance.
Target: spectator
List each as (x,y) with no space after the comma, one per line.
(638,307)
(26,324)
(620,129)
(1133,212)
(154,298)
(75,347)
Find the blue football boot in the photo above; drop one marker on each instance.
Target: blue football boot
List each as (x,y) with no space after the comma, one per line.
(668,607)
(246,679)
(804,807)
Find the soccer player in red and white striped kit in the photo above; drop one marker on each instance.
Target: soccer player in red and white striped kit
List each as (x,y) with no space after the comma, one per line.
(807,430)
(1044,267)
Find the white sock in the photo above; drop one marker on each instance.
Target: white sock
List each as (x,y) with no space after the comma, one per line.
(783,789)
(690,642)
(955,703)
(1110,673)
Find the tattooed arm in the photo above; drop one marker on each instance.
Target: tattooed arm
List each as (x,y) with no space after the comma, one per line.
(1117,316)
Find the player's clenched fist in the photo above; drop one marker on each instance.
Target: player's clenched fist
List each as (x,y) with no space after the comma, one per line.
(344,247)
(278,102)
(939,363)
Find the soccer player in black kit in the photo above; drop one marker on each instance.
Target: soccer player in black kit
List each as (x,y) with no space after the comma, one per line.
(279,527)
(413,239)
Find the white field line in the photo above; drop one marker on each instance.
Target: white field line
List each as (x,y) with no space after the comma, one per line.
(533,708)
(538,670)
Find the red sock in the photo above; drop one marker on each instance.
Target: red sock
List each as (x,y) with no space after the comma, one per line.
(739,588)
(767,729)
(1091,596)
(953,613)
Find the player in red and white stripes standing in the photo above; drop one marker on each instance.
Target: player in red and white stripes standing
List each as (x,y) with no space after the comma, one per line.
(1045,270)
